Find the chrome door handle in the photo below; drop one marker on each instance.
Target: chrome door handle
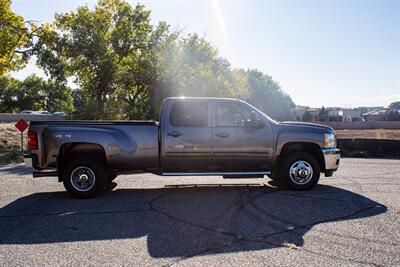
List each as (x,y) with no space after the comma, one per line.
(223,134)
(174,134)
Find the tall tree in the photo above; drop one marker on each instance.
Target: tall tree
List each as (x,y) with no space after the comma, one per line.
(105,49)
(267,95)
(9,88)
(33,93)
(16,38)
(46,95)
(138,73)
(124,65)
(191,66)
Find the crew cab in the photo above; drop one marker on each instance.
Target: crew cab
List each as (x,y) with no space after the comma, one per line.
(195,136)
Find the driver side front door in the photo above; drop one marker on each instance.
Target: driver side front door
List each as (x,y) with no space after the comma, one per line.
(238,146)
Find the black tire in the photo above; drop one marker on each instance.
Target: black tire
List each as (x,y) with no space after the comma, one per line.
(112,176)
(303,163)
(94,178)
(273,176)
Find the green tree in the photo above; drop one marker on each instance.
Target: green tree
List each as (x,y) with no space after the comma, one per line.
(8,94)
(138,73)
(190,66)
(34,93)
(106,50)
(55,97)
(16,38)
(267,95)
(124,67)
(80,105)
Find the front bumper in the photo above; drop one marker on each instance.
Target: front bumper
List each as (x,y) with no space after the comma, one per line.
(332,158)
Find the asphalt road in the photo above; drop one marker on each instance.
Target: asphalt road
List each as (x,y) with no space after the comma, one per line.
(352,218)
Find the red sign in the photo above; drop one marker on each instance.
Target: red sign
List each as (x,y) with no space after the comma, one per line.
(21,125)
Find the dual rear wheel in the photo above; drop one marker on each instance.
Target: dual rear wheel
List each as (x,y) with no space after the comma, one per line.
(84,178)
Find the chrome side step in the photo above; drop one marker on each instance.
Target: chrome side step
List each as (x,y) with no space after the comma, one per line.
(225,174)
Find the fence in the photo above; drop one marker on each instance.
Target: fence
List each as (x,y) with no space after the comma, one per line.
(360,125)
(8,117)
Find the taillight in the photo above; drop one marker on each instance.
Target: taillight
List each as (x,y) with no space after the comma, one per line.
(32,140)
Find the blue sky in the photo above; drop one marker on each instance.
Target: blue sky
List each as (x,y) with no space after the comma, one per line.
(331,53)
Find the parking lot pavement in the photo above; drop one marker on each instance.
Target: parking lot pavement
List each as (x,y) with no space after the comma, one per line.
(352,218)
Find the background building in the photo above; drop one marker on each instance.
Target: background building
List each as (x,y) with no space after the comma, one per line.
(352,115)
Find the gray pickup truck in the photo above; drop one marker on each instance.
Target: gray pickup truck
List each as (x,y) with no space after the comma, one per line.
(195,136)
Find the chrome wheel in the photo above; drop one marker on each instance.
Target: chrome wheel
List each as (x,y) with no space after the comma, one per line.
(301,172)
(83,179)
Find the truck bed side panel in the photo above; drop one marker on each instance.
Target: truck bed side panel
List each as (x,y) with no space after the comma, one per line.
(126,146)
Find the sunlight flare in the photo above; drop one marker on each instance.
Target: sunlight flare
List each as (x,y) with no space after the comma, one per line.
(219,17)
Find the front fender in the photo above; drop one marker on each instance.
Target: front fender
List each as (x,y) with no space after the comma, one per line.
(298,137)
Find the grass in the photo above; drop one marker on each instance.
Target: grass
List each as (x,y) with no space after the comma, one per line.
(10,143)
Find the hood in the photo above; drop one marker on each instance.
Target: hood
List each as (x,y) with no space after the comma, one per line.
(306,126)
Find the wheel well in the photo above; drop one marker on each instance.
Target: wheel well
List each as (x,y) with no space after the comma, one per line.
(70,151)
(311,148)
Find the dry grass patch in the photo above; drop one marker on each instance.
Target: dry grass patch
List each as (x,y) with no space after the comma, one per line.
(10,143)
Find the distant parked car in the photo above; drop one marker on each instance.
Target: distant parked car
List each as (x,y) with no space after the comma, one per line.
(27,112)
(42,112)
(59,113)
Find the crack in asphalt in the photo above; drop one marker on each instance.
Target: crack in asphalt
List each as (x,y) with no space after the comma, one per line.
(314,198)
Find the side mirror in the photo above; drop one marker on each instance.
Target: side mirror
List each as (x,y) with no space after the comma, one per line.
(255,120)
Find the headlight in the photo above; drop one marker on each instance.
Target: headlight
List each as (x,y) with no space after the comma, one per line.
(330,141)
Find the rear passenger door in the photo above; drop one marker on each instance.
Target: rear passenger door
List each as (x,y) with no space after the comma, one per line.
(187,137)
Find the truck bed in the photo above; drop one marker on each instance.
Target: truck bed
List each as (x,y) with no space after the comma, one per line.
(127,145)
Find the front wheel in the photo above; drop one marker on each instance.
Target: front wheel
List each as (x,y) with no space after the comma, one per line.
(84,178)
(300,171)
